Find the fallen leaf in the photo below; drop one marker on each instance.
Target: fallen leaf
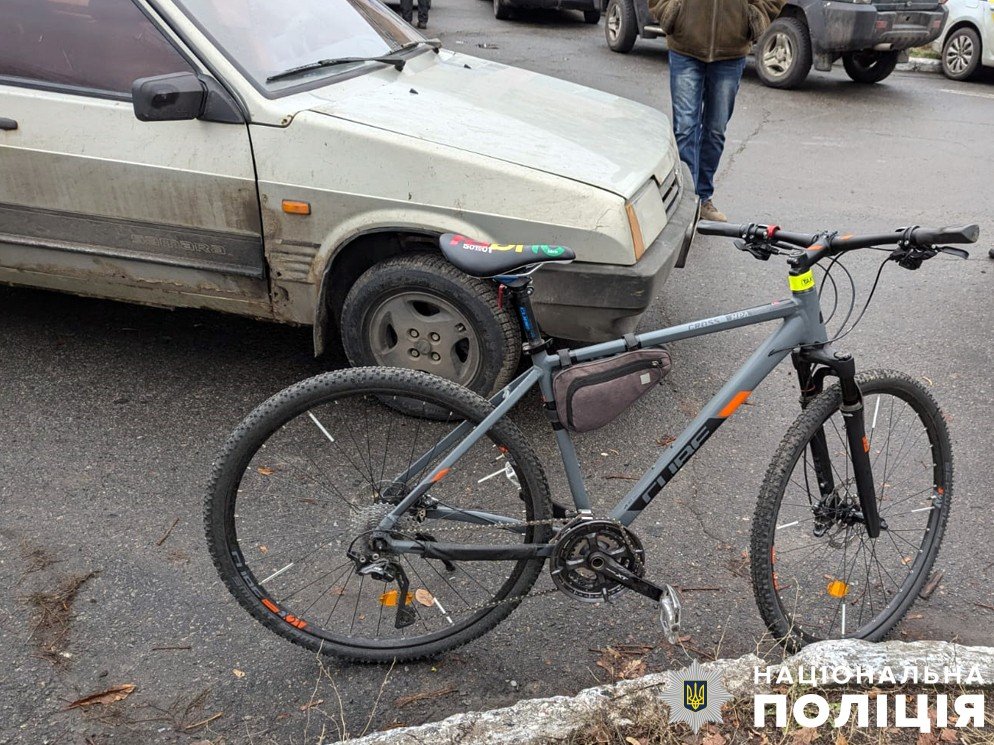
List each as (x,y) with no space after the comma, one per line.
(424,597)
(841,739)
(804,736)
(238,673)
(713,738)
(103,698)
(926,738)
(948,735)
(263,549)
(632,741)
(265,470)
(311,704)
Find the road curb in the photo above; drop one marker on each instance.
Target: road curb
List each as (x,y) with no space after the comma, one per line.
(543,720)
(921,64)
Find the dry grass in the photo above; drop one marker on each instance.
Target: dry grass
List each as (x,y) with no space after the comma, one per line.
(53,617)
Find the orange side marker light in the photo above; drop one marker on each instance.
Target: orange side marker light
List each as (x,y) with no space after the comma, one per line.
(293,207)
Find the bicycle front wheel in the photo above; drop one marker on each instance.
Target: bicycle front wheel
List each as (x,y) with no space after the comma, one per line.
(815,571)
(309,475)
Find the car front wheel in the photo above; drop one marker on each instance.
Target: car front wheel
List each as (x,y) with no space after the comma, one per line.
(961,54)
(418,311)
(869,67)
(620,26)
(783,54)
(502,11)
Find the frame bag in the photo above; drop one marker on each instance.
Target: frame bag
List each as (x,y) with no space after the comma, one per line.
(591,394)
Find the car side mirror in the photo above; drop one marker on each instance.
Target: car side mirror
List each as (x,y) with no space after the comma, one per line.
(172,97)
(184,95)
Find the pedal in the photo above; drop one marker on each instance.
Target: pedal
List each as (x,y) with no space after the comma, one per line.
(669,614)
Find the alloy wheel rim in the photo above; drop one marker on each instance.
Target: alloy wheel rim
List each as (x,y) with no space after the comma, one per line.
(959,54)
(778,55)
(425,332)
(614,22)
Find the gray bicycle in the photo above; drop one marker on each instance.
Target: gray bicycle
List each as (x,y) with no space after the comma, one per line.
(387,514)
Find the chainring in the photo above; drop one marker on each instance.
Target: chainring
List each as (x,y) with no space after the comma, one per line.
(575,542)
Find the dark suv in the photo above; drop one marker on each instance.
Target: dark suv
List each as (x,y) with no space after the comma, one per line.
(869,37)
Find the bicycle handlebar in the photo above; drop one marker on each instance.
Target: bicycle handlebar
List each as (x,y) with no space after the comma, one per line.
(821,245)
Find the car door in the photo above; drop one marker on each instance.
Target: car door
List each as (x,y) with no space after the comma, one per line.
(987,32)
(95,202)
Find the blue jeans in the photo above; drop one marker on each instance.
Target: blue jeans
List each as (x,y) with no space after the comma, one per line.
(703,96)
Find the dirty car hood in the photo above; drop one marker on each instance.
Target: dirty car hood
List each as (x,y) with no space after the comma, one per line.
(519,117)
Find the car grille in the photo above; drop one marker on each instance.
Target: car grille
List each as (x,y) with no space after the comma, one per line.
(669,190)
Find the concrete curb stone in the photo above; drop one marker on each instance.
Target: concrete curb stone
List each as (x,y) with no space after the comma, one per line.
(545,720)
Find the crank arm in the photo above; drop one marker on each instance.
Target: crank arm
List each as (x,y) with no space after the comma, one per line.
(665,596)
(608,567)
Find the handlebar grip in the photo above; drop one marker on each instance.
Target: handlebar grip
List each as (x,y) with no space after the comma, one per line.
(729,230)
(931,236)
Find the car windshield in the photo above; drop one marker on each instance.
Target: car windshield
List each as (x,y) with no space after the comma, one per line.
(267,37)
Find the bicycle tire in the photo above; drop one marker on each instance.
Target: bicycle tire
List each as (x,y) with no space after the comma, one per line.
(764,561)
(240,447)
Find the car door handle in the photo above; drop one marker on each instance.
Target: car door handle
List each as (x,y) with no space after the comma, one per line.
(7,124)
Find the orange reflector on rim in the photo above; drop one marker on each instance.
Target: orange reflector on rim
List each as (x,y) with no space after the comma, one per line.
(292,207)
(837,588)
(390,598)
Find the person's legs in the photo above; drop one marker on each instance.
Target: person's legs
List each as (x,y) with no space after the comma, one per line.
(721,84)
(423,7)
(687,94)
(407,10)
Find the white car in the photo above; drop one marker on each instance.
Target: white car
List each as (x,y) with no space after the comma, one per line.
(967,40)
(297,163)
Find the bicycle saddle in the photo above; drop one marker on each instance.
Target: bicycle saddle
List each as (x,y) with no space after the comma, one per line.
(492,259)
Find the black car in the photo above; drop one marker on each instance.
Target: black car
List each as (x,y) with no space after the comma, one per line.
(869,37)
(504,9)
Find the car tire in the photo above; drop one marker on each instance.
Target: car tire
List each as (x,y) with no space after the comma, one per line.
(961,54)
(783,54)
(870,67)
(591,16)
(419,311)
(620,26)
(502,11)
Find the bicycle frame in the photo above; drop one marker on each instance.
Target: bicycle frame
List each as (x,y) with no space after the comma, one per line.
(802,329)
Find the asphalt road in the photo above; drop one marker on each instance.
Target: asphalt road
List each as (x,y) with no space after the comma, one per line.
(111,414)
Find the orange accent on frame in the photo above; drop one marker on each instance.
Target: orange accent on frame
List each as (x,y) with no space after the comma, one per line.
(737,400)
(293,207)
(845,237)
(270,604)
(866,444)
(440,475)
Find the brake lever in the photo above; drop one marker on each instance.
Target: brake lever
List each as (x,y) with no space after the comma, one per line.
(760,250)
(959,253)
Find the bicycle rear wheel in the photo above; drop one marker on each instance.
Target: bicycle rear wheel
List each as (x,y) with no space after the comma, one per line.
(314,469)
(816,573)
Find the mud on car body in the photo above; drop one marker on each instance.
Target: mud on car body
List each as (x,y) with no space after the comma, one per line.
(300,167)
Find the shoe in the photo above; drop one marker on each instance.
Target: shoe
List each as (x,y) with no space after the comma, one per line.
(422,24)
(710,212)
(990,252)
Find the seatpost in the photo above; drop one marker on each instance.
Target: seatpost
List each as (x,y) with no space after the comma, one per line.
(520,289)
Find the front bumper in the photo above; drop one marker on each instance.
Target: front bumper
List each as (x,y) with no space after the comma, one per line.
(597,302)
(851,27)
(557,4)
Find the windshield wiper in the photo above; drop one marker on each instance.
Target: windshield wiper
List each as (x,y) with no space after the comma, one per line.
(397,58)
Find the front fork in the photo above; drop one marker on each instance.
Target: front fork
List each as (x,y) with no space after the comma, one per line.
(812,365)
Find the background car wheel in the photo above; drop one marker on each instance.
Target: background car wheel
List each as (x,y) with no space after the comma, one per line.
(502,11)
(591,16)
(620,26)
(869,67)
(783,54)
(419,311)
(961,54)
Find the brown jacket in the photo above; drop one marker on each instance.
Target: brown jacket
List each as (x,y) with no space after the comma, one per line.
(712,30)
